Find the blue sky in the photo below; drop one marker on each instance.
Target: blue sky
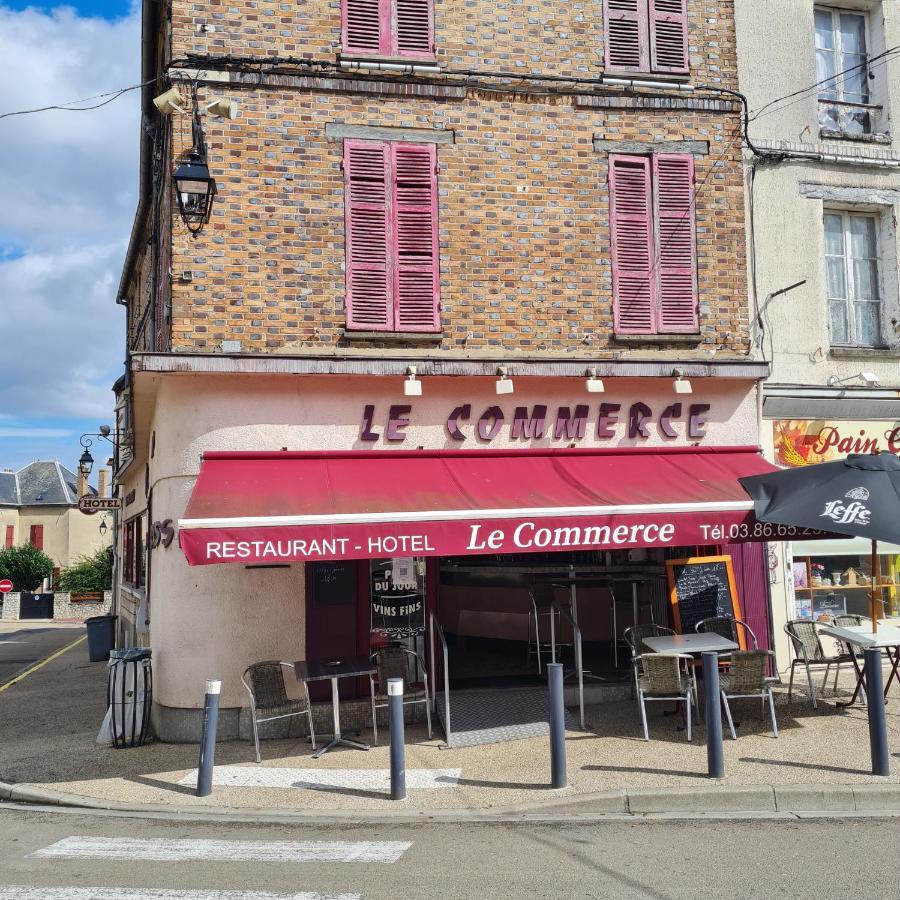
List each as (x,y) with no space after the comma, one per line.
(68,191)
(106,9)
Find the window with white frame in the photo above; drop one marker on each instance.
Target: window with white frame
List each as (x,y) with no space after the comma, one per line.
(842,53)
(851,265)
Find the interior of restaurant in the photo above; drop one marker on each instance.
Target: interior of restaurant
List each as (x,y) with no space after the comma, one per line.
(500,615)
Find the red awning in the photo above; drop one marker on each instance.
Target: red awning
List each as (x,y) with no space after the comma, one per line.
(284,507)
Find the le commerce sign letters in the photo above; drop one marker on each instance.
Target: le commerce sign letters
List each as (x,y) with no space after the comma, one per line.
(567,423)
(90,505)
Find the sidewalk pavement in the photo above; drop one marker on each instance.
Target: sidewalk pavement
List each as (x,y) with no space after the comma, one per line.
(820,762)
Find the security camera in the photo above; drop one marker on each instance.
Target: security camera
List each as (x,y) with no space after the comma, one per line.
(868,378)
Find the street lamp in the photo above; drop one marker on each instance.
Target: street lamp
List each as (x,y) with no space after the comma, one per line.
(85,463)
(194,189)
(103,527)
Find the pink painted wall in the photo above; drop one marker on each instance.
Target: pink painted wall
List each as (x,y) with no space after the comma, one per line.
(212,621)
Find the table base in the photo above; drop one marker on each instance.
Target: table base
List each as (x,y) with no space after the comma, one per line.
(861,678)
(340,741)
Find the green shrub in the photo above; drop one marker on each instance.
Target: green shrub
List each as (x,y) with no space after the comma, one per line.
(25,566)
(89,573)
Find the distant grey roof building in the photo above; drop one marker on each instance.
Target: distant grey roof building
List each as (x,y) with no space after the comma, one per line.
(43,483)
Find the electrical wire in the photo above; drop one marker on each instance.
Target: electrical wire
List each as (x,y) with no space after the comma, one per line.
(868,64)
(67,107)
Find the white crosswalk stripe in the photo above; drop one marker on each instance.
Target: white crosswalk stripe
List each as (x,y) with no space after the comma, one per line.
(326,779)
(26,892)
(166,850)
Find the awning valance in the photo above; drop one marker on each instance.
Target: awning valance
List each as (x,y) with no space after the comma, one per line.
(282,507)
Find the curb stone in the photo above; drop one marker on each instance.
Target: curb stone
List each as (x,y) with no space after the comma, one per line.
(754,800)
(705,800)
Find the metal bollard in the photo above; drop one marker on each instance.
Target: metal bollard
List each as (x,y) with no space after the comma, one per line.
(715,760)
(877,725)
(208,738)
(557,726)
(398,739)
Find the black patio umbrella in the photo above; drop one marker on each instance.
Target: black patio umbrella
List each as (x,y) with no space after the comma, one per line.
(858,496)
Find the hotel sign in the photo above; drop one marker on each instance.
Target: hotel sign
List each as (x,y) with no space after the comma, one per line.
(603,421)
(90,505)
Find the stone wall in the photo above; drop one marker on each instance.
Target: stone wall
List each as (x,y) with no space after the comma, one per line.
(64,608)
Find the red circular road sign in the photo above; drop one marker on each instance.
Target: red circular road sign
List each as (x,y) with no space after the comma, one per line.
(5,586)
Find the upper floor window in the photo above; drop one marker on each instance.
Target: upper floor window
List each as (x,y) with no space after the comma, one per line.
(654,258)
(842,65)
(646,35)
(390,204)
(388,27)
(851,268)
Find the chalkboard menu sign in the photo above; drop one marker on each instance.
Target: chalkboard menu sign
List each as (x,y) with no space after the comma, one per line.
(699,588)
(333,584)
(398,596)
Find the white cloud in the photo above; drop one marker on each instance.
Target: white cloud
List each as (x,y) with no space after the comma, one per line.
(68,190)
(33,433)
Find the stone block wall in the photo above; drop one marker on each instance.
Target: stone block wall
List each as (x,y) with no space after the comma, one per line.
(63,607)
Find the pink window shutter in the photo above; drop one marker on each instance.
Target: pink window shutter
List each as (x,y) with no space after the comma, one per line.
(10,532)
(367,208)
(669,36)
(36,538)
(673,176)
(631,230)
(417,277)
(625,35)
(362,26)
(415,28)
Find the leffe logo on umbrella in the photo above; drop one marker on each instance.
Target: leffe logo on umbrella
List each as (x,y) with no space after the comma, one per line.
(856,513)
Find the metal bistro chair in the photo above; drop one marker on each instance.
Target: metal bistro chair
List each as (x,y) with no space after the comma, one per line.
(398,662)
(746,677)
(665,677)
(543,597)
(847,650)
(809,653)
(264,682)
(634,636)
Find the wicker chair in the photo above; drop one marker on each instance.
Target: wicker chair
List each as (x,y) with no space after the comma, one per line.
(809,653)
(729,628)
(634,637)
(664,677)
(264,682)
(398,662)
(746,677)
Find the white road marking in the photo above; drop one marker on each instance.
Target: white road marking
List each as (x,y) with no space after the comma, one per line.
(326,779)
(166,850)
(26,892)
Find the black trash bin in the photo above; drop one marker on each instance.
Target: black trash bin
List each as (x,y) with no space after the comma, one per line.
(101,635)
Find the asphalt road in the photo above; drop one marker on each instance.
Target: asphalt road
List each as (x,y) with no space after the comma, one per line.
(127,858)
(23,645)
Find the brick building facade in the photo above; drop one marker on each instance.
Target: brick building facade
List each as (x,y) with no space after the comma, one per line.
(537,189)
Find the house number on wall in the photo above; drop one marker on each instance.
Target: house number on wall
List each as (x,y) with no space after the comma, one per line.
(162,533)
